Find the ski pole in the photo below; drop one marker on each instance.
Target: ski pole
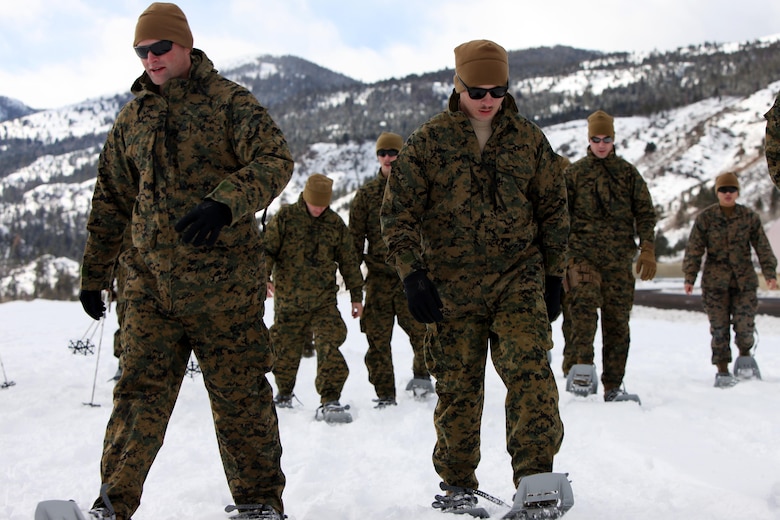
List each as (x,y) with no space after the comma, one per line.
(97,360)
(97,364)
(6,382)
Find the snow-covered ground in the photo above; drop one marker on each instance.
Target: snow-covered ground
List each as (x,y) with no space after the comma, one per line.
(690,451)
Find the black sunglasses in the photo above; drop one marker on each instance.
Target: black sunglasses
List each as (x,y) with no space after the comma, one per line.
(157,48)
(727,189)
(607,139)
(391,153)
(479,93)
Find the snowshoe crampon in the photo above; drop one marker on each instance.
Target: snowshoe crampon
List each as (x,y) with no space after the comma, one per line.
(58,510)
(745,367)
(582,380)
(542,496)
(420,387)
(333,413)
(458,501)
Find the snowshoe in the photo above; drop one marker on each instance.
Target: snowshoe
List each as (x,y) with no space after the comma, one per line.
(542,496)
(333,413)
(421,387)
(283,400)
(459,501)
(745,367)
(58,510)
(384,402)
(725,380)
(582,380)
(254,512)
(619,394)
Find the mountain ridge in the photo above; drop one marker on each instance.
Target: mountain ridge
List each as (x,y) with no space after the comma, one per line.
(681,117)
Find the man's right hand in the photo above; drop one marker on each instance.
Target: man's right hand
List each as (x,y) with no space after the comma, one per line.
(92,301)
(423,298)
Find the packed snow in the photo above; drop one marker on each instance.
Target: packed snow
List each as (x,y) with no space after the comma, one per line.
(689,451)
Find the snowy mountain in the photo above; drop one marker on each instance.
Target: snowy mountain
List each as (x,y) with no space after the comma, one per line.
(13,108)
(682,117)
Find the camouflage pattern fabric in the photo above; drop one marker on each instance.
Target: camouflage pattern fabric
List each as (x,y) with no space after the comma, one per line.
(302,254)
(612,292)
(727,308)
(569,356)
(729,281)
(120,275)
(487,226)
(232,348)
(609,206)
(291,329)
(162,157)
(773,141)
(385,299)
(201,137)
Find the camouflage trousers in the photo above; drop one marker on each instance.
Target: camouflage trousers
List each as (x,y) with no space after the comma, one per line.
(121,305)
(518,336)
(233,351)
(611,289)
(291,330)
(569,358)
(385,300)
(727,307)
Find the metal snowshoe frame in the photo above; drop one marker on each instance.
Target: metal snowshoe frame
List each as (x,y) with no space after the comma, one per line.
(333,413)
(745,367)
(420,387)
(582,380)
(58,510)
(542,496)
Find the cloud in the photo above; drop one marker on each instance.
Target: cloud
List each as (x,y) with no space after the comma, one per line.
(56,52)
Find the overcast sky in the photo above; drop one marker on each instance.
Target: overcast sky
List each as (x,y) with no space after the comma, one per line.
(58,52)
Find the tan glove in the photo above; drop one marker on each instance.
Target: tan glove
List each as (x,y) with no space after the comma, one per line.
(645,264)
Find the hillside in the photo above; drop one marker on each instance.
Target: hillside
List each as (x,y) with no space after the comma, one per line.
(682,117)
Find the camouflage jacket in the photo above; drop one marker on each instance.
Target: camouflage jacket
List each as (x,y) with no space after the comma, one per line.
(201,137)
(609,205)
(364,225)
(727,242)
(303,253)
(773,141)
(463,214)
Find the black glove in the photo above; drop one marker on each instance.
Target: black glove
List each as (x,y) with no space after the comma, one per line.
(553,292)
(92,301)
(423,298)
(204,223)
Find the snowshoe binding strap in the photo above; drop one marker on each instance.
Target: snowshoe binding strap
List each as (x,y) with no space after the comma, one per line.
(254,512)
(459,501)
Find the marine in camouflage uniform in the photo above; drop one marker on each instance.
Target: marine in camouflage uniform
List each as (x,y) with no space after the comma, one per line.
(305,243)
(193,152)
(609,205)
(772,144)
(725,232)
(385,299)
(475,221)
